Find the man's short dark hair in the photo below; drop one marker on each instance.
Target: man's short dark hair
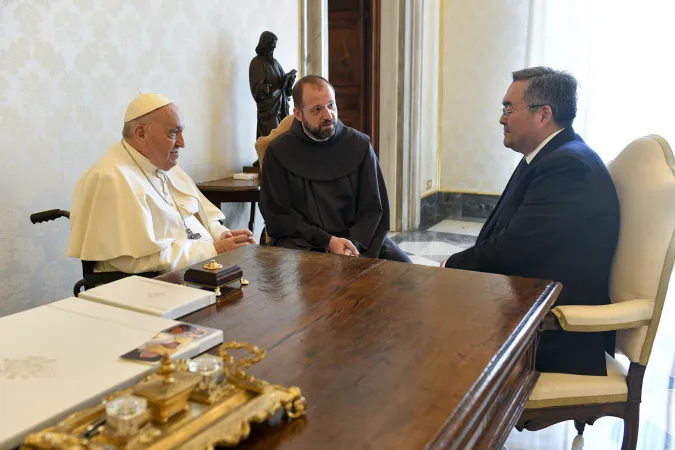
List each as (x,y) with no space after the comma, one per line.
(546,86)
(314,80)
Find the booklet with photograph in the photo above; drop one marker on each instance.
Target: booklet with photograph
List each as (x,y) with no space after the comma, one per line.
(169,341)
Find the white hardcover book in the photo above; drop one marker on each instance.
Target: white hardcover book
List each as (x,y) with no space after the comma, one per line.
(245,176)
(151,296)
(65,356)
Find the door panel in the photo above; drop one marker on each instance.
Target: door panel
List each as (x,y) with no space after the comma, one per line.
(352,65)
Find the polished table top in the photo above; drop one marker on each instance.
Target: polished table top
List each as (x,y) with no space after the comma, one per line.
(388,355)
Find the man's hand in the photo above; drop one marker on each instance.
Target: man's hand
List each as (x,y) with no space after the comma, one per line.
(231,243)
(231,233)
(266,89)
(342,246)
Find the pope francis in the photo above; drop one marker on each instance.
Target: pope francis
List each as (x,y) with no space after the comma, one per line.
(135,210)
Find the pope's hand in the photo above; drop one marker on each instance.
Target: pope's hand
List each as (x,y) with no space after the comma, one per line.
(229,234)
(231,243)
(342,246)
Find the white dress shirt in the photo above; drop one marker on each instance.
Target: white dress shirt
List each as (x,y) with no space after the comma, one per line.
(530,156)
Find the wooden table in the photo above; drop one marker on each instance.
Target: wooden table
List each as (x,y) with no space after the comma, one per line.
(229,190)
(388,355)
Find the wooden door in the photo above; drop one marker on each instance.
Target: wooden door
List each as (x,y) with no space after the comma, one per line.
(353,63)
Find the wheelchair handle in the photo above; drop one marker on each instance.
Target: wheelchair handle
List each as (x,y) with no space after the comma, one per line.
(45,216)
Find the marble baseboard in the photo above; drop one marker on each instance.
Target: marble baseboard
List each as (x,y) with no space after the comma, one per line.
(429,211)
(452,205)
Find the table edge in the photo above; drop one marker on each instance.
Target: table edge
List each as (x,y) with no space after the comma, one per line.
(492,378)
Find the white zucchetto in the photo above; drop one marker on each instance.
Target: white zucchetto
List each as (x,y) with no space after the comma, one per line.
(144,104)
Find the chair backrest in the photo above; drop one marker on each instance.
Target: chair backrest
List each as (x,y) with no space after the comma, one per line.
(644,177)
(263,141)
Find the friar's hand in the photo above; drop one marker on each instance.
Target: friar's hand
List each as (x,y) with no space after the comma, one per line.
(232,243)
(342,246)
(266,88)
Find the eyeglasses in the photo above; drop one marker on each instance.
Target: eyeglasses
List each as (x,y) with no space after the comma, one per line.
(507,112)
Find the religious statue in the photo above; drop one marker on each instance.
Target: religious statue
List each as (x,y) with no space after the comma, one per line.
(270,86)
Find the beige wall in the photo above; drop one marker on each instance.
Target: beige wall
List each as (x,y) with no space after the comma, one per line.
(67,71)
(390,81)
(429,139)
(483,42)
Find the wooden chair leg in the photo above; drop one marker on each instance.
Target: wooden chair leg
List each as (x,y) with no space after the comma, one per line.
(579,425)
(631,426)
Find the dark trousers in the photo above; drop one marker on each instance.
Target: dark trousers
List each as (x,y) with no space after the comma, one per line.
(572,352)
(392,252)
(389,251)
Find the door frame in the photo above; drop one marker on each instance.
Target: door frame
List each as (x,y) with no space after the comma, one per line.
(373,69)
(397,117)
(314,51)
(313,37)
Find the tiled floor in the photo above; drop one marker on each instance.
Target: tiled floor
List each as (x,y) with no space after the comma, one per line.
(657,413)
(431,247)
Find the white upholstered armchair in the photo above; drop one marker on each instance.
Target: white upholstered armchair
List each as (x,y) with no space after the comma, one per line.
(644,176)
(260,148)
(263,141)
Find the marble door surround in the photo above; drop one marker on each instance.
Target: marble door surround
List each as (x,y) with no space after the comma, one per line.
(401,53)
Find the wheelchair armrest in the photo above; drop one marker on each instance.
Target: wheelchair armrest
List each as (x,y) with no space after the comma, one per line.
(92,279)
(45,216)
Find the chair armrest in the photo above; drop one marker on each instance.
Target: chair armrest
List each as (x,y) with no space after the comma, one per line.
(617,316)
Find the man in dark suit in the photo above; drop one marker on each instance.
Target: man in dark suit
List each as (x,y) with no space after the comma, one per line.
(558,217)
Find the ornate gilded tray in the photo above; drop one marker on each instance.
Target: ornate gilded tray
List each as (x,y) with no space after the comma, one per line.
(191,404)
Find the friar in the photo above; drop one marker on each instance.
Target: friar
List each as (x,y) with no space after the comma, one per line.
(322,188)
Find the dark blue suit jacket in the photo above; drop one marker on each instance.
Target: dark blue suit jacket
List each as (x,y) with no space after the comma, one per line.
(559,221)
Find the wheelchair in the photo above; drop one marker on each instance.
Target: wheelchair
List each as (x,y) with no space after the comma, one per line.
(90,278)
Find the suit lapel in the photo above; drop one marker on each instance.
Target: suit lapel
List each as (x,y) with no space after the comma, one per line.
(560,139)
(492,219)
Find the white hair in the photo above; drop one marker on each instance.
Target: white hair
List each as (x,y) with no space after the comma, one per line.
(128,129)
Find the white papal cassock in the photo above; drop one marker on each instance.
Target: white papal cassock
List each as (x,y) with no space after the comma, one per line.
(118,219)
